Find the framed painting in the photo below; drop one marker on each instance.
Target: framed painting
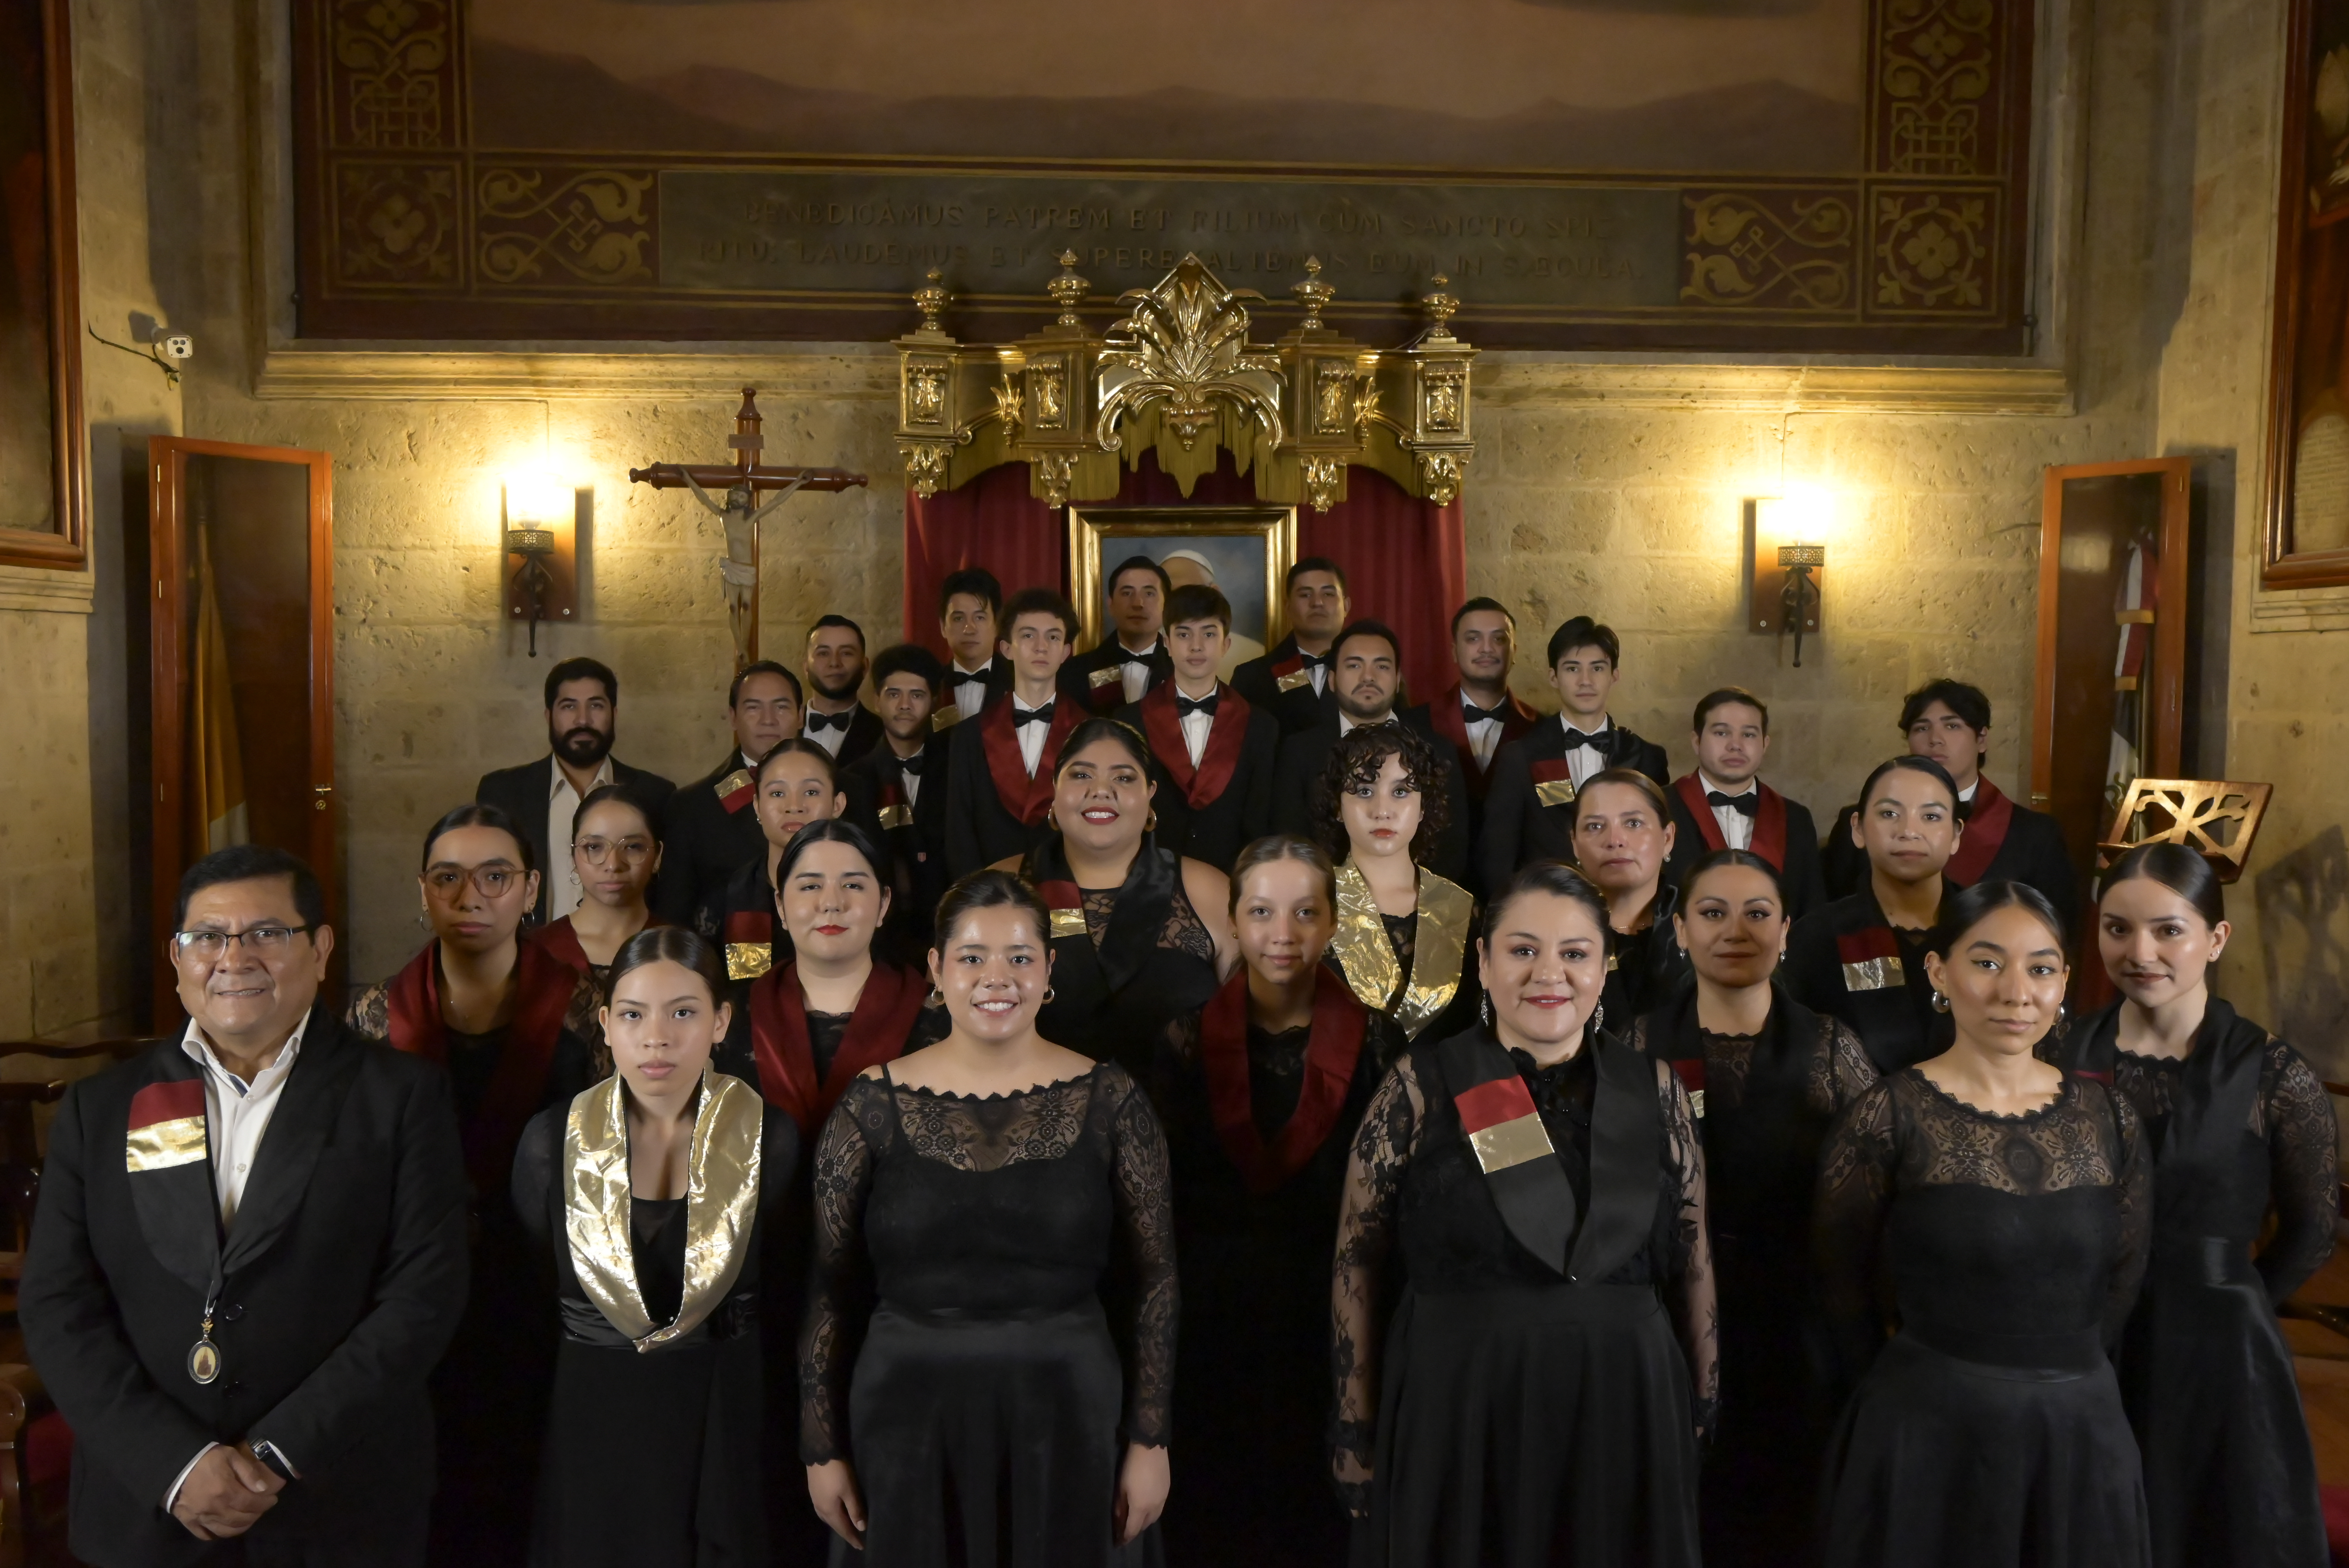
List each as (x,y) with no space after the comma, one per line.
(1244,550)
(2307,466)
(44,479)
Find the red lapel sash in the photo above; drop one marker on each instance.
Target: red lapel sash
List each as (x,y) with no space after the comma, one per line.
(1291,673)
(734,790)
(1985,833)
(1769,839)
(1027,798)
(886,1011)
(1220,758)
(561,942)
(1333,1050)
(167,1126)
(1871,959)
(544,985)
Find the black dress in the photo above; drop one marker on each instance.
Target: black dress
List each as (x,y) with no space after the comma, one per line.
(957,1349)
(2238,1126)
(1525,1417)
(1988,1432)
(1765,1104)
(1252,1376)
(1846,960)
(686,1486)
(1126,960)
(1644,968)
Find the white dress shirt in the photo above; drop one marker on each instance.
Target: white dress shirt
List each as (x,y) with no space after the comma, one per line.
(969,689)
(1736,827)
(1196,726)
(1483,734)
(1031,736)
(1966,795)
(912,782)
(1346,725)
(1581,762)
(830,735)
(1136,670)
(563,890)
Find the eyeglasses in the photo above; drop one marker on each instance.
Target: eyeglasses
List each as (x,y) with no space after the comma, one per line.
(261,941)
(492,882)
(599,850)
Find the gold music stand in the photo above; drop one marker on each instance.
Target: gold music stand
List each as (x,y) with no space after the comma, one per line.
(2215,816)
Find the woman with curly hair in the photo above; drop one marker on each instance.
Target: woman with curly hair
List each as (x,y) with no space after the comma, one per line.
(1380,807)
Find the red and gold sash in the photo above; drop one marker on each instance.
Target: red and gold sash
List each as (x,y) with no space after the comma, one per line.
(543,985)
(750,944)
(1871,959)
(1066,902)
(1226,735)
(1769,821)
(167,1126)
(1505,1131)
(890,808)
(1986,823)
(1553,780)
(735,790)
(886,1011)
(1291,673)
(1332,1051)
(1025,798)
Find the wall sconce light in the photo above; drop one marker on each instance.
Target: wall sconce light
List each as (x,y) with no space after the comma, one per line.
(1785,565)
(539,524)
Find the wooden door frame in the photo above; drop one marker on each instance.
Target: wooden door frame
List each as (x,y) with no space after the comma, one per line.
(168,670)
(2166,694)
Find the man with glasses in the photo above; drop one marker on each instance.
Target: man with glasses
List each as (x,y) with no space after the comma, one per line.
(250,1252)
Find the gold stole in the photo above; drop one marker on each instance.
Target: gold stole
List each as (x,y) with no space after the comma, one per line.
(1439,944)
(721,1202)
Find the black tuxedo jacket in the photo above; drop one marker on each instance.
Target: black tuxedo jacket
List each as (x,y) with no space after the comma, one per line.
(1518,827)
(1444,719)
(341,1281)
(1298,708)
(1219,829)
(1301,759)
(2027,847)
(1096,677)
(864,733)
(708,830)
(520,793)
(1696,836)
(980,828)
(914,840)
(999,681)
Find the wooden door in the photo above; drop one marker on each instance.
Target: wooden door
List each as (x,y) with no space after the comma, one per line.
(263,516)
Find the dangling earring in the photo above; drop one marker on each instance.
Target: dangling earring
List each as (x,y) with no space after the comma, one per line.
(1486,1007)
(1049,995)
(1940,1002)
(1598,1018)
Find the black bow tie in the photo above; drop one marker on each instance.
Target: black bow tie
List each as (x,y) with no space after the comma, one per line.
(1577,741)
(911,765)
(1312,661)
(1142,659)
(1750,802)
(819,722)
(1043,715)
(1185,706)
(1471,714)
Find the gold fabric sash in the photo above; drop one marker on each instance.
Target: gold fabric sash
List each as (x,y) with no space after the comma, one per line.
(721,1202)
(1438,944)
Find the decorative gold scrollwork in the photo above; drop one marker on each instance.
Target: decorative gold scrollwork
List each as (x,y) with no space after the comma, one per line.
(925,394)
(1056,471)
(1777,249)
(1184,343)
(1333,396)
(1446,396)
(393,56)
(593,225)
(925,466)
(1933,250)
(1439,476)
(1939,63)
(397,222)
(1048,396)
(1322,475)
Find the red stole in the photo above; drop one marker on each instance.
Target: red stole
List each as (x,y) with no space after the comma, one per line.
(1986,824)
(886,1011)
(560,941)
(543,985)
(1444,718)
(1769,822)
(1332,1051)
(1226,735)
(1027,798)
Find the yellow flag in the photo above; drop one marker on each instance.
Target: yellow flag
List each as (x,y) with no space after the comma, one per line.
(216,815)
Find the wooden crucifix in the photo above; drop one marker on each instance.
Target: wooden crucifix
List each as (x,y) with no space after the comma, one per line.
(741,511)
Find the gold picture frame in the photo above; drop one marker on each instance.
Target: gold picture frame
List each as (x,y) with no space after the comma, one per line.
(1219,536)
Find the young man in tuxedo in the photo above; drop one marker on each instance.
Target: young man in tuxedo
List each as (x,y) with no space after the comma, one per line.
(1215,751)
(971,612)
(1528,804)
(1131,658)
(1292,681)
(835,719)
(1949,721)
(897,792)
(250,1252)
(999,769)
(1479,714)
(1366,670)
(708,829)
(582,705)
(1723,805)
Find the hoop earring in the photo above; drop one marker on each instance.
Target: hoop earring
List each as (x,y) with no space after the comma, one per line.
(1051,820)
(937,998)
(1049,995)
(1940,1002)
(1152,825)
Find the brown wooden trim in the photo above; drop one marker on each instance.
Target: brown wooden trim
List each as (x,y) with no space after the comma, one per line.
(65,546)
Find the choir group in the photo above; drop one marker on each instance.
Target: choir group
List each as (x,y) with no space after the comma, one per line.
(1095,1110)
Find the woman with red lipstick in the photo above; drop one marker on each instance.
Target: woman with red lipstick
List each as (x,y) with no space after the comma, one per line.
(1540,1392)
(1133,955)
(516,1028)
(2240,1128)
(615,851)
(1623,834)
(1861,959)
(796,783)
(1403,932)
(963,1397)
(1766,1076)
(1261,1107)
(651,1192)
(2010,1206)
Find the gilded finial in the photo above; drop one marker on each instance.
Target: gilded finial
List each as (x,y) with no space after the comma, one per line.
(931,300)
(1068,290)
(1313,294)
(1440,306)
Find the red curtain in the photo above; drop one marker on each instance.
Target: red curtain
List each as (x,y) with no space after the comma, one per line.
(1406,560)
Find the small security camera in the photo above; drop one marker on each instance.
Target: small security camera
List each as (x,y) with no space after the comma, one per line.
(178,346)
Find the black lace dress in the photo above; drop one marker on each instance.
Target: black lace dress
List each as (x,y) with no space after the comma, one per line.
(1143,959)
(1989,1431)
(1765,1103)
(1506,1416)
(957,1347)
(2237,1126)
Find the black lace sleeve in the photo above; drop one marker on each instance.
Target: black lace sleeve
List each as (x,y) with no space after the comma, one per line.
(1842,1071)
(1696,1308)
(1145,1211)
(840,1281)
(1855,1189)
(2133,1184)
(536,1157)
(370,1013)
(1383,1146)
(584,1016)
(2304,1171)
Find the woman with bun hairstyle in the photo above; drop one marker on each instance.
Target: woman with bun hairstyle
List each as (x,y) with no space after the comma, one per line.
(2241,1129)
(2009,1205)
(795,784)
(651,1192)
(1623,834)
(615,848)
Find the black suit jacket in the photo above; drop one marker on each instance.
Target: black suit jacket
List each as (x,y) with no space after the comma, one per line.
(999,681)
(915,841)
(1298,708)
(1799,874)
(1518,827)
(1077,675)
(1219,829)
(864,733)
(979,828)
(342,1279)
(703,841)
(521,792)
(1301,759)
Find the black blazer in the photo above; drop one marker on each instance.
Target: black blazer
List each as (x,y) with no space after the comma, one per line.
(1298,708)
(1799,873)
(864,733)
(914,841)
(520,793)
(1518,827)
(343,1278)
(999,681)
(979,831)
(703,841)
(1077,675)
(1837,964)
(1218,831)
(1301,759)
